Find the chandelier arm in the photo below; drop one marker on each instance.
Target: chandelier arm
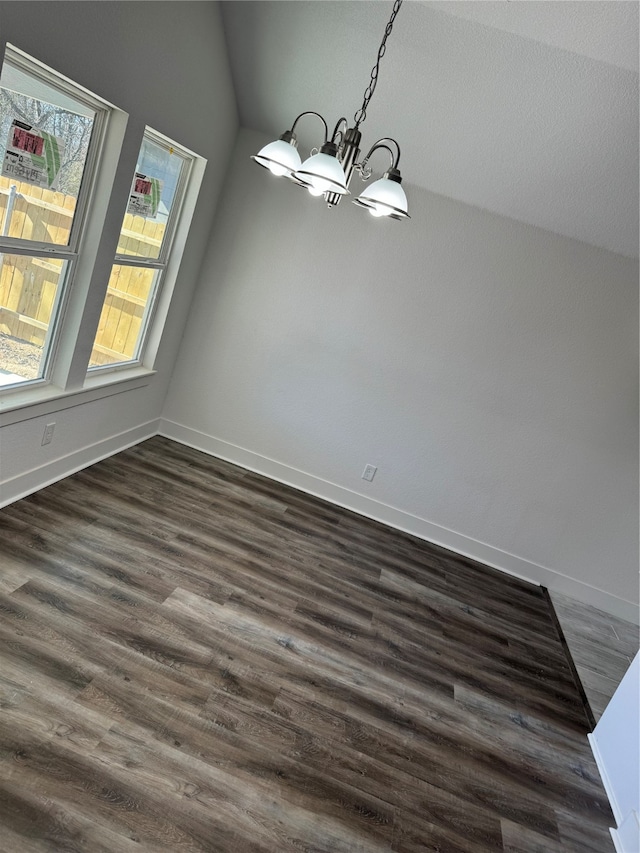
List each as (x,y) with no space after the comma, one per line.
(361,115)
(337,130)
(381,143)
(311,113)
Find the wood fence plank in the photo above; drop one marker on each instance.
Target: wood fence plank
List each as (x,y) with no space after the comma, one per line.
(28,287)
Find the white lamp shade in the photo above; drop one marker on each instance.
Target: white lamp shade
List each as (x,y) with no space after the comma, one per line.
(384,198)
(280,157)
(322,173)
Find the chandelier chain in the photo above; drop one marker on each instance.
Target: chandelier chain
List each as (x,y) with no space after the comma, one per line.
(361,115)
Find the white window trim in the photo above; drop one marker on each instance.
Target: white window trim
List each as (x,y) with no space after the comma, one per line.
(168,263)
(95,195)
(39,402)
(70,383)
(179,240)
(102,109)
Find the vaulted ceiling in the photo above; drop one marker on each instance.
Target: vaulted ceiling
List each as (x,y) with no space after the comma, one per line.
(526,109)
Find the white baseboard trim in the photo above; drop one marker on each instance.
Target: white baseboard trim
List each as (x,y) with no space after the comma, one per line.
(44,475)
(626,838)
(606,782)
(616,841)
(434,533)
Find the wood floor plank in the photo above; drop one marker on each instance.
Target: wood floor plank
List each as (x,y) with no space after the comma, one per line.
(196,658)
(519,839)
(33,823)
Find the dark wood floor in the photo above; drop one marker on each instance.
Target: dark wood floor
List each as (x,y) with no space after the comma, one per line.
(195,658)
(602,647)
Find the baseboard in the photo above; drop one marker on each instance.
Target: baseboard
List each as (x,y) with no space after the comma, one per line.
(616,840)
(626,837)
(606,782)
(423,529)
(44,475)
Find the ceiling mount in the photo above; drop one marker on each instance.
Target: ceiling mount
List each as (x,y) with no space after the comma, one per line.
(329,169)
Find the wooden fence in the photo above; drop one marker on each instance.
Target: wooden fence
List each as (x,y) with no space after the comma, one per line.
(28,285)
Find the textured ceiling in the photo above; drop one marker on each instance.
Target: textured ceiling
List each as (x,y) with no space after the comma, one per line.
(526,109)
(606,30)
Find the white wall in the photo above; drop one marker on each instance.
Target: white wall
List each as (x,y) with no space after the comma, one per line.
(166,65)
(488,368)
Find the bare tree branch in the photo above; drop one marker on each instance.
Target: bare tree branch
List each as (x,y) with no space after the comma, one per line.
(73,129)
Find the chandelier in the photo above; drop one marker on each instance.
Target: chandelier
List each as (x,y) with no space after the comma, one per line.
(329,170)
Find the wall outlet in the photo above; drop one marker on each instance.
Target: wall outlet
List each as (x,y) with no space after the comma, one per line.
(369,472)
(48,434)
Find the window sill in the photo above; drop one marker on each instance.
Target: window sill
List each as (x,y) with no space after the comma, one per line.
(35,402)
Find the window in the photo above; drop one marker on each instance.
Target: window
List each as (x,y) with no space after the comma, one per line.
(50,132)
(146,236)
(60,149)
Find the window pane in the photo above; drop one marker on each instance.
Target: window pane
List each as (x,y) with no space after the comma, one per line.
(153,193)
(44,139)
(128,300)
(29,293)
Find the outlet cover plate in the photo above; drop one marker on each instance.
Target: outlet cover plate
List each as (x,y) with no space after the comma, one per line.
(369,473)
(48,434)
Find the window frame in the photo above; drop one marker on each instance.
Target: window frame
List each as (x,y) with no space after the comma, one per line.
(32,67)
(106,131)
(67,382)
(179,209)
